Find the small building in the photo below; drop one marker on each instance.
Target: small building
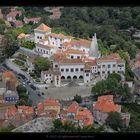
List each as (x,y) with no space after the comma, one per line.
(41,31)
(32,20)
(103,106)
(11,96)
(18,24)
(10,80)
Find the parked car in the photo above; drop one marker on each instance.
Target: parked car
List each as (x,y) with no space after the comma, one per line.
(33,87)
(38,94)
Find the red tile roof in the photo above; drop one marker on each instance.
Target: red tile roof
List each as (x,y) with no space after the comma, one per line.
(71,61)
(106,104)
(43,27)
(18,23)
(26,109)
(81,42)
(112,57)
(60,36)
(72,51)
(73,108)
(51,102)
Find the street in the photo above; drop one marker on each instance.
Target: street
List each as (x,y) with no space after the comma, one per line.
(32,93)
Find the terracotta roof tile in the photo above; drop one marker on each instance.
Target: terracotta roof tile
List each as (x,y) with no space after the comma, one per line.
(60,36)
(43,27)
(72,51)
(73,107)
(71,61)
(106,104)
(51,102)
(81,42)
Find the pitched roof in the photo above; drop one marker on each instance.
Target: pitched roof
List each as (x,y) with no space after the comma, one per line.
(113,57)
(9,74)
(106,104)
(51,102)
(81,42)
(73,107)
(73,51)
(71,61)
(18,23)
(44,46)
(60,36)
(43,27)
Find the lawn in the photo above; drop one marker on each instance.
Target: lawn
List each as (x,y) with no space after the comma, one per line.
(18,62)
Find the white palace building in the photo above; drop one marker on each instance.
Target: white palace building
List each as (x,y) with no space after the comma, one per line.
(72,59)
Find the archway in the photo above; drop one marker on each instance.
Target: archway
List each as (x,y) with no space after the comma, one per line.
(69,77)
(62,77)
(74,77)
(80,77)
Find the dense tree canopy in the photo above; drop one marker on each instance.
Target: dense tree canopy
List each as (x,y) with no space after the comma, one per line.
(42,64)
(114,120)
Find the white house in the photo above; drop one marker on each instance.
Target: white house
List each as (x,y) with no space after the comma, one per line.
(41,31)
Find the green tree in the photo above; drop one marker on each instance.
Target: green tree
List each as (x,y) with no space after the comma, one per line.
(114,76)
(42,64)
(77,98)
(114,120)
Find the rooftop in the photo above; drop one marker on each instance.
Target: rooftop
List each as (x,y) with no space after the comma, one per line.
(51,102)
(43,27)
(106,104)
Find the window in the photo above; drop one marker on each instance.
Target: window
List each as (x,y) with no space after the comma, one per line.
(67,70)
(103,72)
(76,69)
(38,49)
(37,37)
(113,71)
(114,65)
(87,74)
(81,69)
(103,66)
(72,70)
(78,57)
(62,70)
(99,67)
(44,51)
(72,57)
(40,37)
(108,72)
(109,66)
(47,52)
(50,74)
(56,66)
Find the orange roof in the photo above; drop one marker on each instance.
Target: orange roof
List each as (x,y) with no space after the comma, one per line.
(106,104)
(73,107)
(51,113)
(112,57)
(136,64)
(40,107)
(71,61)
(26,109)
(81,42)
(11,111)
(22,35)
(61,36)
(43,27)
(72,51)
(44,46)
(9,74)
(51,102)
(89,121)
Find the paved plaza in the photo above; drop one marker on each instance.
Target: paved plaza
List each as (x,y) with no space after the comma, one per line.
(66,93)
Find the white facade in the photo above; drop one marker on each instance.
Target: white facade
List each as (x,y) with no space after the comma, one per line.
(71,71)
(75,56)
(58,42)
(47,77)
(87,76)
(82,48)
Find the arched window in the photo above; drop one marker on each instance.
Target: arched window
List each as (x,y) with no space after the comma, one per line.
(74,77)
(62,77)
(69,77)
(80,77)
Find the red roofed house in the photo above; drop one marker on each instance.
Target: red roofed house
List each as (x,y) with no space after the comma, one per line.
(103,106)
(41,31)
(49,108)
(72,110)
(18,24)
(9,78)
(12,14)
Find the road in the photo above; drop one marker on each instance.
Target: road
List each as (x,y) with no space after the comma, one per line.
(32,93)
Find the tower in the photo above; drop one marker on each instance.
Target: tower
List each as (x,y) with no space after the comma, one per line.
(93,51)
